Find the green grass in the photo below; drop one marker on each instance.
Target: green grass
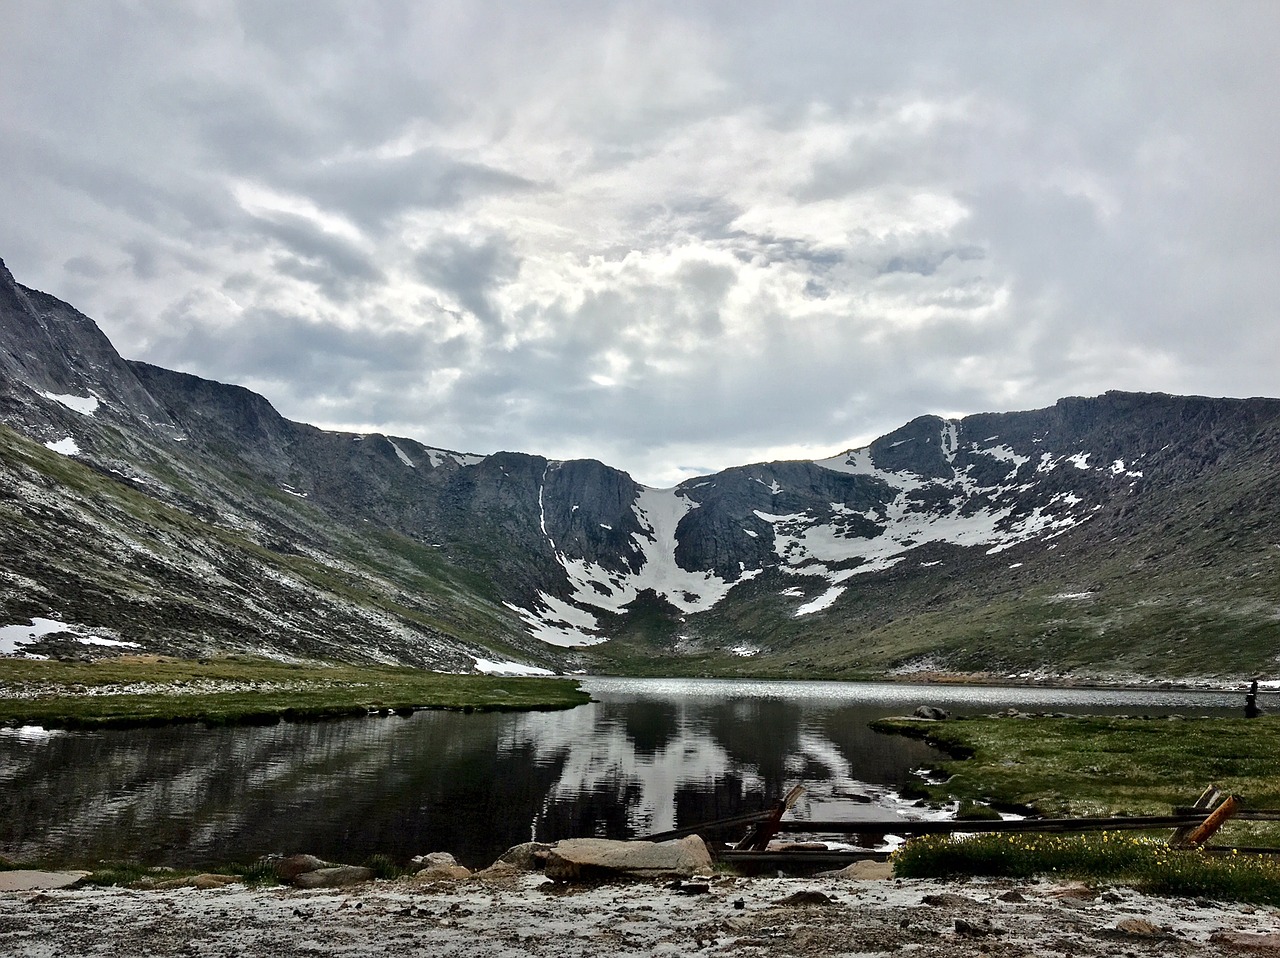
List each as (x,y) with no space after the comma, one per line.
(1107,766)
(1147,864)
(252,691)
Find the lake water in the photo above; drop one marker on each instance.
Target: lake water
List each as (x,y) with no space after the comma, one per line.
(646,756)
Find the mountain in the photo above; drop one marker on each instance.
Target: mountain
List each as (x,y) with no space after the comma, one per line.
(145,509)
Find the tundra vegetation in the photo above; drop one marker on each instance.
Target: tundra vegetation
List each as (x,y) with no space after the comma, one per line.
(145,691)
(1095,765)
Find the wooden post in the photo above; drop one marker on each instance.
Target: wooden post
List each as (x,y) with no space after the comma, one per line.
(1217,818)
(759,837)
(1207,800)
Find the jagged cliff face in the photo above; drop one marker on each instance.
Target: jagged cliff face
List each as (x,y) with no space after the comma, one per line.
(148,506)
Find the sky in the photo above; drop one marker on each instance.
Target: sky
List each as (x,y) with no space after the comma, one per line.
(673,237)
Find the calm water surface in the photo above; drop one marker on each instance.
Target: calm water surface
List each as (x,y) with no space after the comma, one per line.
(646,756)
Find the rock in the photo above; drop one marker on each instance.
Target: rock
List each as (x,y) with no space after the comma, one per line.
(931,712)
(500,871)
(287,869)
(1072,890)
(27,879)
(864,871)
(1138,927)
(807,898)
(948,900)
(1260,944)
(439,866)
(977,929)
(587,859)
(530,856)
(334,877)
(1013,896)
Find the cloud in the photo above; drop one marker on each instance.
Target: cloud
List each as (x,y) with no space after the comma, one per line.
(671,237)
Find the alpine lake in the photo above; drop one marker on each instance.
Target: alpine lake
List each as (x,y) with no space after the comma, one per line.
(646,756)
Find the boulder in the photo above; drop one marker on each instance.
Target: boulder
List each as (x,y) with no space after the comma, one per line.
(500,871)
(438,866)
(287,869)
(598,859)
(865,871)
(1139,928)
(529,856)
(28,879)
(334,877)
(931,712)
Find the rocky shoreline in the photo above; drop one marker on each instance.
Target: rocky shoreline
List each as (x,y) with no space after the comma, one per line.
(588,897)
(525,913)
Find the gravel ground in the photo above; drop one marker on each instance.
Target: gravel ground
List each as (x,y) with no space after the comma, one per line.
(529,915)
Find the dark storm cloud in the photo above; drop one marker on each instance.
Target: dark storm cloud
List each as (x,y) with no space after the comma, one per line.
(470,271)
(332,263)
(372,191)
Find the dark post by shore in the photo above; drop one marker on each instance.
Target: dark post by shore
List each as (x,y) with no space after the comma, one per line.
(1251,709)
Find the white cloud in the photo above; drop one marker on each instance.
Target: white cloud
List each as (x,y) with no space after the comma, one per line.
(669,238)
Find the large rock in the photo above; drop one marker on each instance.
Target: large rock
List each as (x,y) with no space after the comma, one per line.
(288,869)
(598,859)
(529,856)
(27,879)
(334,877)
(439,866)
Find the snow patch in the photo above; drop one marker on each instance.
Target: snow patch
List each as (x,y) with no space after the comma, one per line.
(489,667)
(1080,460)
(12,637)
(821,602)
(84,405)
(66,447)
(559,623)
(400,454)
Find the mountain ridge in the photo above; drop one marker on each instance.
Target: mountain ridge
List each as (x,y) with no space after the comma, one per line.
(370,546)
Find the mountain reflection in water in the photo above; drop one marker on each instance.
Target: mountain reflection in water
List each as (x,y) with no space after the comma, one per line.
(645,757)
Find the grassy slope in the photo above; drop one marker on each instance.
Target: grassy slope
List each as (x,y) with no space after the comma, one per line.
(241,690)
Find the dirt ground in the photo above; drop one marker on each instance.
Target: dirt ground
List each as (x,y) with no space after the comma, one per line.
(529,915)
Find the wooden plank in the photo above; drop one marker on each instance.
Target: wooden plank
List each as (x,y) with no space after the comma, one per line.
(1242,814)
(1217,818)
(718,825)
(797,858)
(943,827)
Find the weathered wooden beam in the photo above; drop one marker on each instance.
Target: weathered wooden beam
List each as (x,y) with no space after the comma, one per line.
(708,828)
(1210,797)
(898,827)
(1217,818)
(760,836)
(796,858)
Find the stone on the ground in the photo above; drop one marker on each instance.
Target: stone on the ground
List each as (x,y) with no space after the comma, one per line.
(1248,942)
(334,877)
(588,859)
(931,712)
(1138,927)
(287,869)
(864,871)
(439,866)
(528,856)
(28,879)
(500,871)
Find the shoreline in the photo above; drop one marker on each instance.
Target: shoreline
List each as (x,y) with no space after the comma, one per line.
(530,915)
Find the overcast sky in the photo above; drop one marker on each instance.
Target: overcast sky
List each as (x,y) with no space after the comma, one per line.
(673,237)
